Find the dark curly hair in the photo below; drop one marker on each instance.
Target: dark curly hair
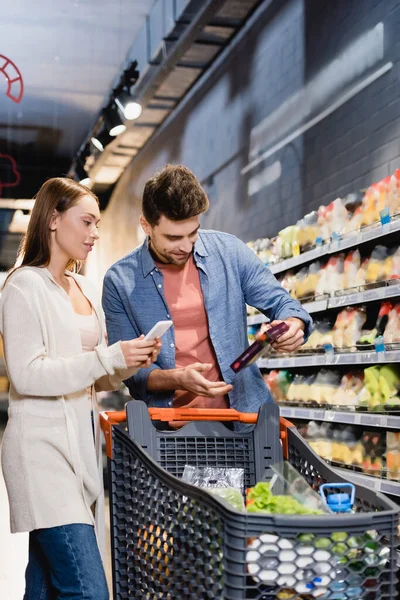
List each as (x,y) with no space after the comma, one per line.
(174,192)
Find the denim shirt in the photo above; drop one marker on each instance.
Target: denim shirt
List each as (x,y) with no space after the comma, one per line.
(231,276)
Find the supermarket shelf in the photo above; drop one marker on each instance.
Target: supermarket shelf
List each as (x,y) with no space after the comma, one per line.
(348,241)
(379,293)
(321,360)
(337,416)
(379,485)
(311,307)
(296,261)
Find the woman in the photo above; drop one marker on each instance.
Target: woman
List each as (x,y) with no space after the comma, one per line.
(56,357)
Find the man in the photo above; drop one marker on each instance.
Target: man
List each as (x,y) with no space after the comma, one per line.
(202,280)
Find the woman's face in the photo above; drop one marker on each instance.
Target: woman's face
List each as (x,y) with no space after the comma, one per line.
(76,229)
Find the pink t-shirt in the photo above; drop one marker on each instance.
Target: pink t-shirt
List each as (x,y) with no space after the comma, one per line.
(192,340)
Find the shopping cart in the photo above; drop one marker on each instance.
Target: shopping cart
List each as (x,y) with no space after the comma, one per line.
(173,541)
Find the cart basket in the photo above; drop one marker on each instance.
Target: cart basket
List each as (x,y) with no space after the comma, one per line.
(171,540)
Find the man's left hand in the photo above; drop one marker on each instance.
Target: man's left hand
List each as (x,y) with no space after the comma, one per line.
(292,339)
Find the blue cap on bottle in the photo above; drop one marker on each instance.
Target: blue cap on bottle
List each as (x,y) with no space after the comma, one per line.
(338,501)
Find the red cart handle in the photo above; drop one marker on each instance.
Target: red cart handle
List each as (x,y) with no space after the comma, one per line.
(108,419)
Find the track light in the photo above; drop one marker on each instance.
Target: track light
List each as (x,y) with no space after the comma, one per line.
(113,121)
(128,107)
(101,140)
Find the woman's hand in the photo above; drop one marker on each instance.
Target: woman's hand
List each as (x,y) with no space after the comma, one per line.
(140,352)
(156,350)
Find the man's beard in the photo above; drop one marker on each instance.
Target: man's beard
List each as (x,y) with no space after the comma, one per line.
(168,259)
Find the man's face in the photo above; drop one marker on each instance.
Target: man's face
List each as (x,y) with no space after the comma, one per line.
(172,241)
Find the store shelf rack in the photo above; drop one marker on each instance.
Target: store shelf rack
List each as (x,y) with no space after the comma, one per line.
(375,292)
(390,290)
(386,486)
(369,419)
(323,360)
(350,240)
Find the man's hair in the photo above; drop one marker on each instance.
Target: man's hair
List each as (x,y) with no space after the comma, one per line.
(174,192)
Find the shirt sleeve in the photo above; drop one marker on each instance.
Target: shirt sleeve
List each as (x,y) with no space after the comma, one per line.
(262,290)
(119,327)
(31,371)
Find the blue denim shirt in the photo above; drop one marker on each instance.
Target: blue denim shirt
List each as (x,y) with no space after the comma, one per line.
(231,276)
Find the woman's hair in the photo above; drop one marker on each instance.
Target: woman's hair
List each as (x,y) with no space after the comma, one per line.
(56,194)
(174,192)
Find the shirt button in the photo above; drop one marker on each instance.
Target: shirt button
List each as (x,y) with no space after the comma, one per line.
(172,345)
(159,285)
(168,316)
(170,403)
(156,269)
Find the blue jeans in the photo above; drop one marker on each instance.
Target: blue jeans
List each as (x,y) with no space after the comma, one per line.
(65,564)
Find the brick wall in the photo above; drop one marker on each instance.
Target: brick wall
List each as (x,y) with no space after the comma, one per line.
(348,150)
(359,143)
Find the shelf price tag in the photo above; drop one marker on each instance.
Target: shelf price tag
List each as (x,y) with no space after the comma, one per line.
(379,344)
(385,216)
(329,353)
(336,237)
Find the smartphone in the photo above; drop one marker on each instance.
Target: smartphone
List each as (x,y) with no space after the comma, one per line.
(158,330)
(256,349)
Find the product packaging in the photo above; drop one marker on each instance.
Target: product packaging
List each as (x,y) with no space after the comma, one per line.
(225,483)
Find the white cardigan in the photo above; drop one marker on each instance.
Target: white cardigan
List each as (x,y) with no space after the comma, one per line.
(51,466)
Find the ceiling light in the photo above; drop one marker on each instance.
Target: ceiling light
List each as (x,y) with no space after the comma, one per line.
(113,122)
(128,107)
(101,140)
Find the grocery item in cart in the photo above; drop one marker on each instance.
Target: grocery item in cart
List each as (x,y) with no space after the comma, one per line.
(226,483)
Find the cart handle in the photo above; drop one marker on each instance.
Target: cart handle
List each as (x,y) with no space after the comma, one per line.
(110,418)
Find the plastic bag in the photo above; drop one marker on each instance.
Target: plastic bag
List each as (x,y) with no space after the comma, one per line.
(227,484)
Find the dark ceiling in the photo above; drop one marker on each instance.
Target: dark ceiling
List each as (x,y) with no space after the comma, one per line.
(57,62)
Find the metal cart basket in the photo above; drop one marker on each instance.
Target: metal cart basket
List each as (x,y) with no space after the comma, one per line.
(173,541)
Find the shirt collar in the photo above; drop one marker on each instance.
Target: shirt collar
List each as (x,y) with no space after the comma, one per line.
(148,264)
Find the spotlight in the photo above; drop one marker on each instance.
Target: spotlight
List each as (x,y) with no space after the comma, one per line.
(101,140)
(113,121)
(128,107)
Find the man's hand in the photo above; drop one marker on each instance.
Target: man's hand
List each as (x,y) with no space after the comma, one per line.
(292,339)
(192,380)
